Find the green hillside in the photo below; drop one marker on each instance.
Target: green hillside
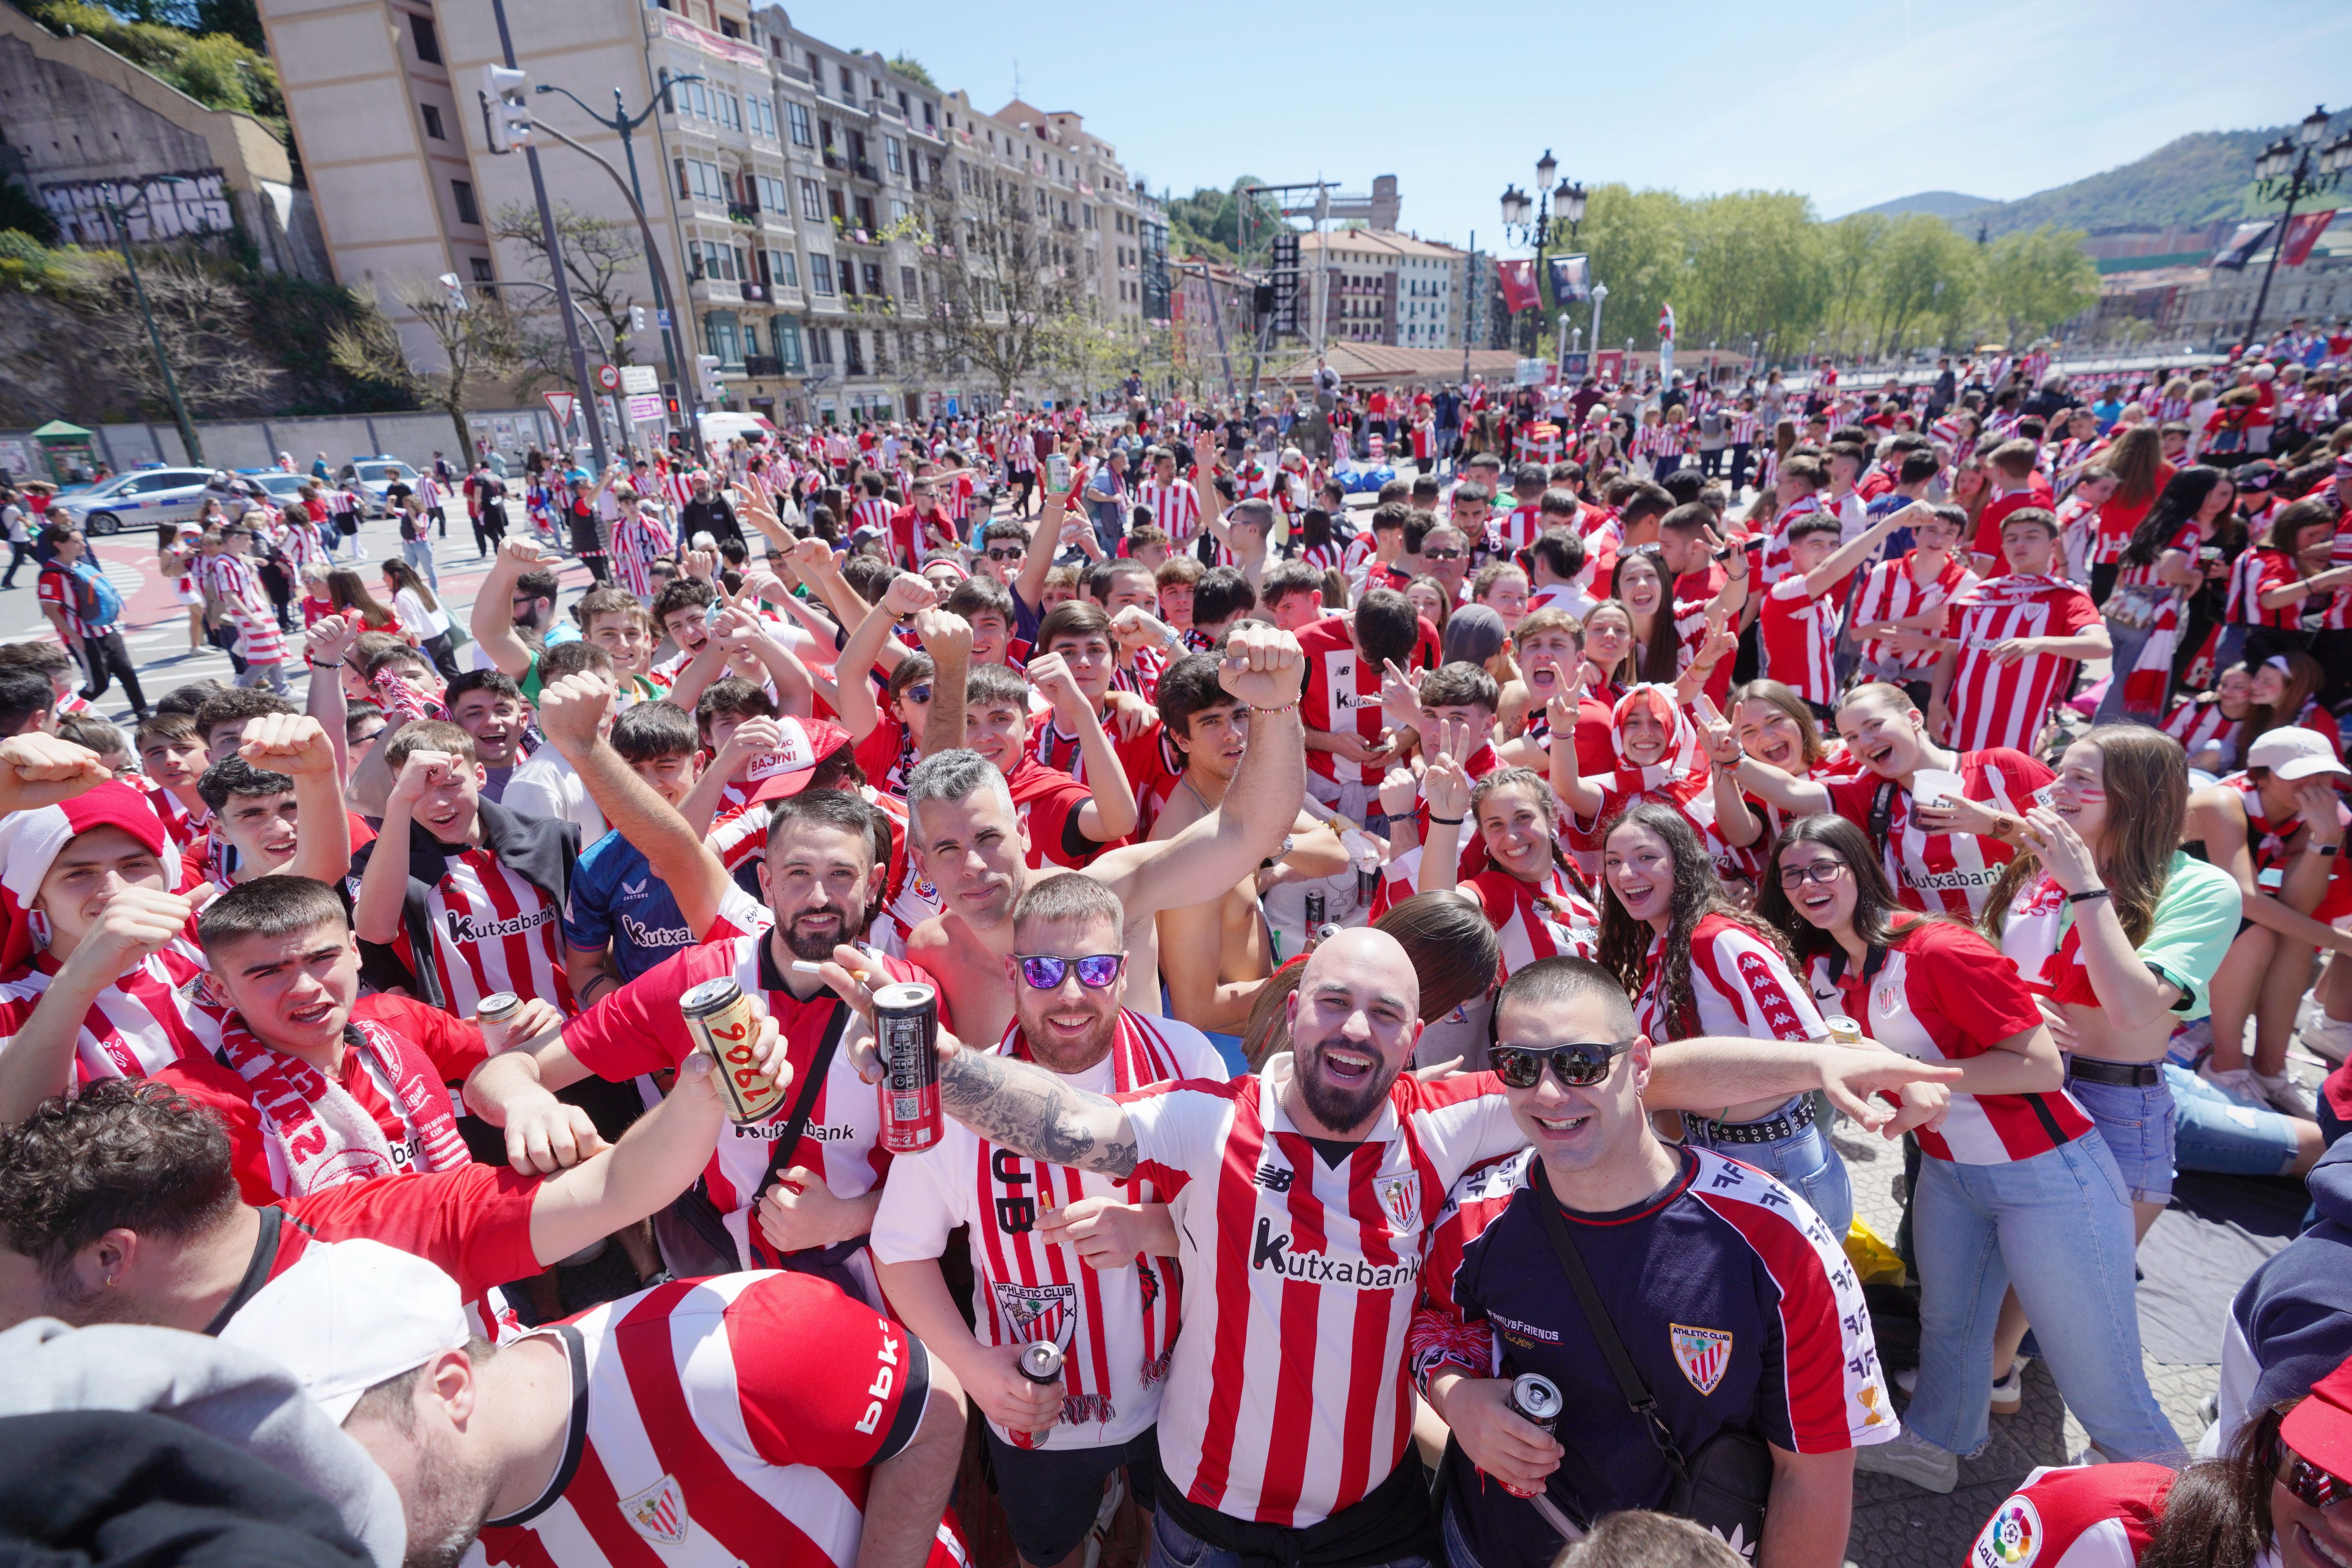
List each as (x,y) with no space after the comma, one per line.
(2196,178)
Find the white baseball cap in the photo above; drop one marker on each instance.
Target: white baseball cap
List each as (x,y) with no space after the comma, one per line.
(349,1314)
(2292,752)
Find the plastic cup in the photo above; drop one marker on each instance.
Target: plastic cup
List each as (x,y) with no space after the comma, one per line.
(1934,786)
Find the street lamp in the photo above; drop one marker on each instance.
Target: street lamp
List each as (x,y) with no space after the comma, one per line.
(122,230)
(1541,230)
(2285,170)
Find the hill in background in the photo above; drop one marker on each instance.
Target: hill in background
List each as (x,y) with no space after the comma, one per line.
(1947,205)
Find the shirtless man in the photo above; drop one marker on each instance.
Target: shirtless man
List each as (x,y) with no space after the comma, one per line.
(1216,954)
(967,839)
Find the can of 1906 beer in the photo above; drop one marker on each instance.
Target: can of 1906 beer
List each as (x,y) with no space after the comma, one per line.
(726,1023)
(905,1037)
(1040,1361)
(1842,1031)
(1535,1399)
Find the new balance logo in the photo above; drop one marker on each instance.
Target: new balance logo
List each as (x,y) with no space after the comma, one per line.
(1274,1178)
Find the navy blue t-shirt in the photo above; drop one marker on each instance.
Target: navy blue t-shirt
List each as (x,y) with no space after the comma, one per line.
(617,899)
(1733,1300)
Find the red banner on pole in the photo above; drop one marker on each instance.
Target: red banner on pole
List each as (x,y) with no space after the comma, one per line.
(1519,280)
(2302,234)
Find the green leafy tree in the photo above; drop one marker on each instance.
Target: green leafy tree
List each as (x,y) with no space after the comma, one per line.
(1635,240)
(1918,260)
(911,68)
(2036,279)
(1754,268)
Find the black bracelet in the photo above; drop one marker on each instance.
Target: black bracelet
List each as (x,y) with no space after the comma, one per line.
(2094,893)
(326,663)
(1448,820)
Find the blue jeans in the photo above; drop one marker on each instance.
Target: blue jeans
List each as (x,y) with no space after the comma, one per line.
(1174,1546)
(2217,1134)
(2057,1226)
(418,552)
(2137,1125)
(1805,1163)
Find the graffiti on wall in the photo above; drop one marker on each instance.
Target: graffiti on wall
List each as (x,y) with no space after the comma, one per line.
(189,203)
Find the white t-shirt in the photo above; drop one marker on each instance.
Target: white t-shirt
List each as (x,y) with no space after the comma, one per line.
(545,786)
(425,623)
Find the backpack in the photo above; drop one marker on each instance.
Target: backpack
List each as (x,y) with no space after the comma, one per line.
(95,599)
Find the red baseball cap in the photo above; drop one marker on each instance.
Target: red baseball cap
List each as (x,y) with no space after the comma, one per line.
(2320,1428)
(787,770)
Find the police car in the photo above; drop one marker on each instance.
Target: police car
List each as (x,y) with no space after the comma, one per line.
(139,499)
(373,475)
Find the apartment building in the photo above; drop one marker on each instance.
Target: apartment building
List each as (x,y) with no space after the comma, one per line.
(1380,286)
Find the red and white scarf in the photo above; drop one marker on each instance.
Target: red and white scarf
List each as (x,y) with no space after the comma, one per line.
(2038,936)
(1140,1055)
(320,1136)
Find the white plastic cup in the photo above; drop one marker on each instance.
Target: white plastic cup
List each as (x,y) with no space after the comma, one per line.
(1934,786)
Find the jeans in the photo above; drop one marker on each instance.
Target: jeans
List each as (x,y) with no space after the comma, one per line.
(2058,1226)
(1804,1161)
(1172,1546)
(2217,1134)
(17,555)
(418,552)
(274,673)
(2137,1124)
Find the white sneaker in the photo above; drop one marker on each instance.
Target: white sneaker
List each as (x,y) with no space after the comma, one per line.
(2330,1039)
(1913,1459)
(2287,1093)
(2238,1083)
(2009,1393)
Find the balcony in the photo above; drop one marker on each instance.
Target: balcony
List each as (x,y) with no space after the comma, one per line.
(890,110)
(745,213)
(797,75)
(713,291)
(864,169)
(763,367)
(833,159)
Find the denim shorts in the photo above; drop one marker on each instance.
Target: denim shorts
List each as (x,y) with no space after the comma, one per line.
(2137,1124)
(1805,1162)
(2217,1134)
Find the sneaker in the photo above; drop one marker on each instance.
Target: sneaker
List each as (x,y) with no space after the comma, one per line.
(2009,1393)
(1913,1459)
(2330,1039)
(2238,1083)
(2286,1093)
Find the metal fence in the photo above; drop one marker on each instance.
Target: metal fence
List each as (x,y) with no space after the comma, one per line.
(256,443)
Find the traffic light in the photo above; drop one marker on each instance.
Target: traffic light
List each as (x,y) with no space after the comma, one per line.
(453,290)
(504,106)
(706,374)
(637,321)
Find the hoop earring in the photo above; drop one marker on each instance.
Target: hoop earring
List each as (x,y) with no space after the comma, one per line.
(37,922)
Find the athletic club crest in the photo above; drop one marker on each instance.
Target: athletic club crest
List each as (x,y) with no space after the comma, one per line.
(1035,1312)
(1400,1200)
(1703,1355)
(658,1513)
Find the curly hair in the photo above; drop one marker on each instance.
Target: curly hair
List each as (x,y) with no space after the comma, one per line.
(1625,942)
(125,1154)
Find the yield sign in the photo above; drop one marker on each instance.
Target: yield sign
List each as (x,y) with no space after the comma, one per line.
(564,405)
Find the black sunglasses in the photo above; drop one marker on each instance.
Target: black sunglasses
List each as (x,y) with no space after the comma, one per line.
(1095,971)
(2307,1481)
(1441,555)
(1579,1066)
(917,695)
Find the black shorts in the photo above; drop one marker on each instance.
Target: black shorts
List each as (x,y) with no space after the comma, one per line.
(1052,1495)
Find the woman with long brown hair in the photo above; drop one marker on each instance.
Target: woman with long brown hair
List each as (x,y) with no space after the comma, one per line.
(2136,459)
(2286,692)
(421,614)
(348,592)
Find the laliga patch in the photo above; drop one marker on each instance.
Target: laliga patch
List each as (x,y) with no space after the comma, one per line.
(1703,1355)
(658,1513)
(2011,1538)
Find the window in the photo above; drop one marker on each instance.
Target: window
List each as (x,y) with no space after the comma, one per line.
(1043,207)
(482,273)
(865,214)
(784,268)
(797,116)
(812,204)
(820,342)
(964,172)
(848,276)
(468,212)
(906,289)
(890,156)
(771,194)
(427,41)
(899,211)
(821,280)
(848,85)
(727,29)
(873,278)
(433,122)
(764,117)
(788,345)
(726,339)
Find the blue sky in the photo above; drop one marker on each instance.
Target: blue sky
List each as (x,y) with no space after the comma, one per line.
(1853,105)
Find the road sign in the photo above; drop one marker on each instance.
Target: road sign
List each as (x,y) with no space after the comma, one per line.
(564,407)
(608,378)
(661,320)
(645,407)
(640,378)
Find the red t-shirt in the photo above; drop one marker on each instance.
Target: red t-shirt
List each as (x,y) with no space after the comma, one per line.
(472,1224)
(1342,694)
(1047,801)
(1996,512)
(1943,873)
(2092,1516)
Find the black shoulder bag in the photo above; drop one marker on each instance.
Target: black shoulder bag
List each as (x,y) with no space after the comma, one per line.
(1725,1485)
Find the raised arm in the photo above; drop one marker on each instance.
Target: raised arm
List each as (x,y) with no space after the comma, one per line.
(1567,779)
(946,637)
(296,745)
(1738,826)
(907,595)
(658,1158)
(1802,797)
(1264,668)
(493,620)
(377,912)
(1111,814)
(1044,543)
(328,646)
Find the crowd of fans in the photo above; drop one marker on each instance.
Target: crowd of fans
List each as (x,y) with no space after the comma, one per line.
(1393,938)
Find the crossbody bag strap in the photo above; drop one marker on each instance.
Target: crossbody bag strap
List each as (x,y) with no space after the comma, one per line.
(780,1153)
(1638,1397)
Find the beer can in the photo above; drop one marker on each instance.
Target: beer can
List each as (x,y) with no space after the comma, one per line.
(905,1037)
(1535,1399)
(1040,1361)
(1315,906)
(495,1016)
(726,1023)
(1842,1031)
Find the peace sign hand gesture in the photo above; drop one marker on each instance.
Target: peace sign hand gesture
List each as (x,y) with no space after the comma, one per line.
(1716,736)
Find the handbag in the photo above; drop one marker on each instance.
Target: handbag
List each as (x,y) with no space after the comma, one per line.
(1725,1485)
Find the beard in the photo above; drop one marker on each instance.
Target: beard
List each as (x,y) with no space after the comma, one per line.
(1056,1053)
(452,1499)
(1342,1110)
(815,949)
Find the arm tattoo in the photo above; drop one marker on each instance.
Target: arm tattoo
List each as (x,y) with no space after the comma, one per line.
(1027,1110)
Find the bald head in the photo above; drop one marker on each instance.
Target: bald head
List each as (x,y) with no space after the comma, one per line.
(1363,956)
(1353,1022)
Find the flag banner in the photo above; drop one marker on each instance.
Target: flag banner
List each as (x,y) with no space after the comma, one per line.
(1571,278)
(1518,281)
(1665,323)
(2236,249)
(2302,234)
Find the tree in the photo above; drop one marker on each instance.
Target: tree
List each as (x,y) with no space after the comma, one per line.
(2036,280)
(478,342)
(205,325)
(1920,260)
(1005,299)
(1636,243)
(907,66)
(600,256)
(1754,268)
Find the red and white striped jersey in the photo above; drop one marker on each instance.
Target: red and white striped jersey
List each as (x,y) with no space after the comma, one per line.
(1777,562)
(870,511)
(1566,925)
(1116,1326)
(1893,592)
(2200,722)
(1996,704)
(1744,427)
(258,639)
(1800,633)
(1739,985)
(719,1422)
(1943,873)
(1945,994)
(1515,529)
(1175,507)
(639,1029)
(492,932)
(1285,1400)
(1342,694)
(140,1025)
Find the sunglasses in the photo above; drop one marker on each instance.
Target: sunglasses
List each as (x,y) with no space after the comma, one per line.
(917,695)
(1821,871)
(1579,1066)
(1441,555)
(1014,554)
(2307,1481)
(1095,971)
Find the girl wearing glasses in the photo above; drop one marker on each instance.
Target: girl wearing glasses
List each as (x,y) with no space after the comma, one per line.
(2016,1185)
(1697,964)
